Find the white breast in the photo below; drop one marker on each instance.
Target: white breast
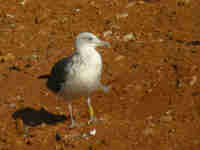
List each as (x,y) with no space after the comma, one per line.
(91,66)
(85,74)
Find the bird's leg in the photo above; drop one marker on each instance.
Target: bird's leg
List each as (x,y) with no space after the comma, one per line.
(73,124)
(91,111)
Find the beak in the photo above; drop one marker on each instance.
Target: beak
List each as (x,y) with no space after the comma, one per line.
(103,43)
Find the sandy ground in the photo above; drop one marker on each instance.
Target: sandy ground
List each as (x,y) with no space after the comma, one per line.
(152,66)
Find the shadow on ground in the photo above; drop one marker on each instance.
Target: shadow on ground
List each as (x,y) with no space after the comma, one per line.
(53,83)
(32,117)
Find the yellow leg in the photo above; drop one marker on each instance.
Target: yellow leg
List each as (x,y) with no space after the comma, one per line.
(91,111)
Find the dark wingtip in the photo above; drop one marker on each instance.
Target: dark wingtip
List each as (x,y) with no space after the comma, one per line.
(46,76)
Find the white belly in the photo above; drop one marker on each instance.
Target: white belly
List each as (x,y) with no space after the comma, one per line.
(85,77)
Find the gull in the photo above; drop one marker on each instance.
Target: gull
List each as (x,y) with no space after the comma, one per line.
(79,75)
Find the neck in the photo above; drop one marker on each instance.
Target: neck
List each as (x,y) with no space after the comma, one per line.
(86,50)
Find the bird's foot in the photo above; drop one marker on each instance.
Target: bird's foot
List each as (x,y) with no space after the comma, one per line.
(92,120)
(73,125)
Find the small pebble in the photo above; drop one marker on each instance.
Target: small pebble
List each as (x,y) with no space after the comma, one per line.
(108,22)
(18,97)
(120,57)
(23,3)
(58,108)
(148,131)
(196,93)
(122,15)
(9,15)
(28,142)
(141,2)
(85,136)
(16,68)
(131,4)
(92,132)
(128,37)
(168,112)
(107,33)
(76,9)
(166,118)
(7,57)
(183,2)
(12,105)
(196,141)
(114,26)
(193,81)
(27,65)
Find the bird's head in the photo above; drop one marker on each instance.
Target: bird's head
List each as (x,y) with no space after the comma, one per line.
(86,39)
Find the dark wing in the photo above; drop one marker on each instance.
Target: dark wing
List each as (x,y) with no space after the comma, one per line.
(59,74)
